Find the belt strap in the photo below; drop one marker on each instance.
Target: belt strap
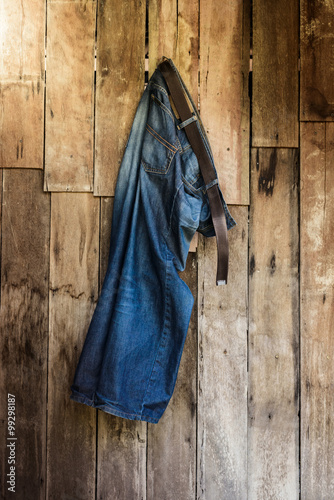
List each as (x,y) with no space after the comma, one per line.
(207,169)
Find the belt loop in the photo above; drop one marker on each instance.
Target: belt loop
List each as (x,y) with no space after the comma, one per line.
(187,122)
(211,184)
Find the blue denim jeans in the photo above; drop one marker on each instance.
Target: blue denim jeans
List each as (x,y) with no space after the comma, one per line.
(131,355)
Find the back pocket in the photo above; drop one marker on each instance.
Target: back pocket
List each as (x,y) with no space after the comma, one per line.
(157,152)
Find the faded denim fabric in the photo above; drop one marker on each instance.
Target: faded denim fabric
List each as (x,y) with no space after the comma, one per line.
(130,359)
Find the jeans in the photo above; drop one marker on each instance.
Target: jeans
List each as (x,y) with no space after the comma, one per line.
(131,355)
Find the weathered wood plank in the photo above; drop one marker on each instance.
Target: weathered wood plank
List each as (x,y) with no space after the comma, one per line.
(224,68)
(73,294)
(275,73)
(187,46)
(121,450)
(22,83)
(21,126)
(24,329)
(317,60)
(222,369)
(22,38)
(172,443)
(317,311)
(173,32)
(69,96)
(162,37)
(273,447)
(119,85)
(121,459)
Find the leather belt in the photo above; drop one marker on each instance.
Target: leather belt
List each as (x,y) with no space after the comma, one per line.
(207,169)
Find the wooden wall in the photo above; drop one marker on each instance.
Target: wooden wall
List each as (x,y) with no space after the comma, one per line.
(252,412)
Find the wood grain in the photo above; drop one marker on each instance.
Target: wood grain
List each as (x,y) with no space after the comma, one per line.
(222,369)
(317,311)
(22,83)
(119,85)
(273,442)
(162,37)
(22,39)
(172,443)
(224,101)
(121,448)
(121,458)
(317,60)
(275,73)
(73,295)
(106,209)
(187,46)
(173,32)
(69,111)
(24,328)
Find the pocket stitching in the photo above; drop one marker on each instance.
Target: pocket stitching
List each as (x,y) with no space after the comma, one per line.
(190,186)
(162,141)
(162,106)
(163,171)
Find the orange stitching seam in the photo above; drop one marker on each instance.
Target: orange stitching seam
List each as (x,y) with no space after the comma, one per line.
(156,135)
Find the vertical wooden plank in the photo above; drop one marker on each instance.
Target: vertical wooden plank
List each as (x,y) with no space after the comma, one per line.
(273,434)
(121,460)
(173,32)
(172,443)
(73,294)
(24,331)
(121,450)
(22,38)
(187,47)
(162,26)
(69,96)
(275,73)
(224,68)
(317,311)
(222,369)
(317,60)
(22,83)
(119,85)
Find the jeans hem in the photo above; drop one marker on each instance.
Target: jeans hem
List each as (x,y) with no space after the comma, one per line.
(108,408)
